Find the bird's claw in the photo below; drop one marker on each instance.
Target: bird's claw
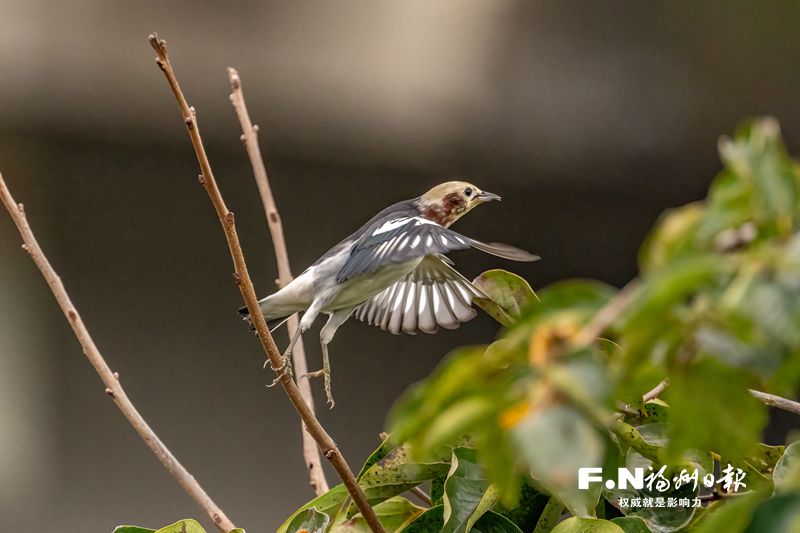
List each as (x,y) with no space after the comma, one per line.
(327,380)
(284,370)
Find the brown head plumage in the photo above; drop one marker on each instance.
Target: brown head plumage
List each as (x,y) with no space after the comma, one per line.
(449,201)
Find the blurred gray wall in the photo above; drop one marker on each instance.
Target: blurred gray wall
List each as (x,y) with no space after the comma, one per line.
(589,119)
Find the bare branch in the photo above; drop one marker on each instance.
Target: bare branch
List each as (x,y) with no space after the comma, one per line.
(772,400)
(324,441)
(656,391)
(110,379)
(250,140)
(778,402)
(422,495)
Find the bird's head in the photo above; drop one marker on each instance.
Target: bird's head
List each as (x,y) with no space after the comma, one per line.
(449,201)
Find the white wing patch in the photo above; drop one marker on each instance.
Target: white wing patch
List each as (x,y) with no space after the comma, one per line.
(396,241)
(398,222)
(432,295)
(405,238)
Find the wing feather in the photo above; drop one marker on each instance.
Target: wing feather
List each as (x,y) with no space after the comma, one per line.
(433,295)
(404,238)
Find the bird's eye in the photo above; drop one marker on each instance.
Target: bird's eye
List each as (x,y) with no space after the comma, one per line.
(468,191)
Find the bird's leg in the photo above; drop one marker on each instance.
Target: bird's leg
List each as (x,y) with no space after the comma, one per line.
(286,360)
(336,319)
(325,373)
(326,369)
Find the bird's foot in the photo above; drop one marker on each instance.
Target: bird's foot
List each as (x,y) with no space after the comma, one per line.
(284,370)
(327,375)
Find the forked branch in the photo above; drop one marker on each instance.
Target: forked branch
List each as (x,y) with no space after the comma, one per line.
(111,379)
(242,279)
(250,140)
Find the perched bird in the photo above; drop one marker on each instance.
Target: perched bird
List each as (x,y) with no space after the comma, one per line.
(391,272)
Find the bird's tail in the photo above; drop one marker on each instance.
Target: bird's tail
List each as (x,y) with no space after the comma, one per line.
(273,323)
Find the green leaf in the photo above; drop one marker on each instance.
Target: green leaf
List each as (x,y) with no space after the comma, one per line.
(397,473)
(731,515)
(462,374)
(554,443)
(580,296)
(786,475)
(309,521)
(758,158)
(497,455)
(674,237)
(492,522)
(650,413)
(654,437)
(437,490)
(133,529)
(467,494)
(457,420)
(183,526)
(584,381)
(758,464)
(704,399)
(765,457)
(512,293)
(779,514)
(550,516)
(633,439)
(382,451)
(631,524)
(394,514)
(587,525)
(328,503)
(653,316)
(531,506)
(491,308)
(431,521)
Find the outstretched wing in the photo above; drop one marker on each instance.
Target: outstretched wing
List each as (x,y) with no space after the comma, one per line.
(404,238)
(433,294)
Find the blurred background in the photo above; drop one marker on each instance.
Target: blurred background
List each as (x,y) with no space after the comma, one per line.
(588,119)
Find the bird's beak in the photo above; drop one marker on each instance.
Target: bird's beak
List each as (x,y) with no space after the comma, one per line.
(484,196)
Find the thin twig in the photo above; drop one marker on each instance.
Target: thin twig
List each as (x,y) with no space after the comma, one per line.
(111,379)
(606,315)
(772,400)
(250,139)
(655,392)
(242,279)
(779,402)
(422,495)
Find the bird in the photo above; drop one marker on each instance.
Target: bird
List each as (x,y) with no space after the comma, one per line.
(392,273)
